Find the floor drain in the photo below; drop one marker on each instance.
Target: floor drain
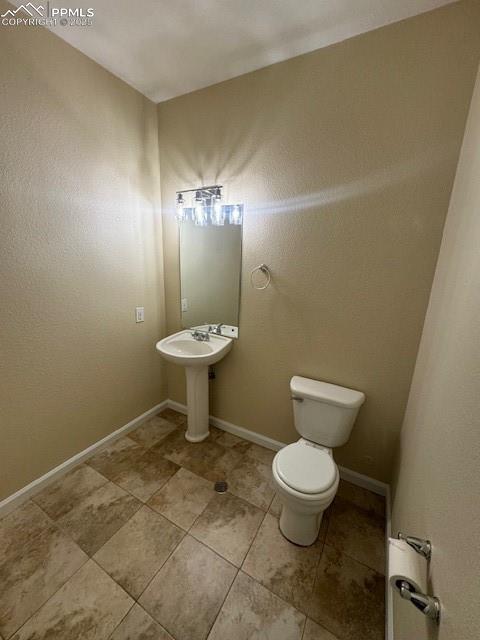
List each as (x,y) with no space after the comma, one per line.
(221,486)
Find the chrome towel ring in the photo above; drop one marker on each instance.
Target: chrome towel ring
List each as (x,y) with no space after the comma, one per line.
(266,272)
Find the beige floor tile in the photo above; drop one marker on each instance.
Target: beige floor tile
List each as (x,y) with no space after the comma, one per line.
(357,533)
(228,526)
(286,569)
(348,598)
(20,527)
(207,459)
(98,516)
(138,625)
(89,606)
(137,551)
(187,593)
(145,475)
(229,441)
(152,431)
(175,442)
(364,499)
(262,454)
(36,558)
(251,612)
(183,498)
(252,480)
(58,498)
(173,416)
(118,456)
(314,631)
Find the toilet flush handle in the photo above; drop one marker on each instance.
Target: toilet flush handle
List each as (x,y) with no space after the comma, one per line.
(297,399)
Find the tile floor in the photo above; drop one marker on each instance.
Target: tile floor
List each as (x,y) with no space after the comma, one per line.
(136,545)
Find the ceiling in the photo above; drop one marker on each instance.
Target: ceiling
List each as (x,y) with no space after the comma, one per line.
(165,48)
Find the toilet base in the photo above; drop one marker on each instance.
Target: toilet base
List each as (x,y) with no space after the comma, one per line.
(300,528)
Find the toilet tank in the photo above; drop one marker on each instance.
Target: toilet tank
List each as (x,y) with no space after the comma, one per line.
(324,413)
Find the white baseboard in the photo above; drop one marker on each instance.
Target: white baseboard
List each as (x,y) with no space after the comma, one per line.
(375,486)
(13,501)
(381,488)
(16,499)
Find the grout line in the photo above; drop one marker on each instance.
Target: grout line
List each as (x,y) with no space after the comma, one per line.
(252,543)
(133,598)
(52,595)
(162,624)
(277,519)
(222,604)
(121,621)
(157,513)
(285,602)
(254,536)
(200,514)
(158,571)
(347,555)
(304,627)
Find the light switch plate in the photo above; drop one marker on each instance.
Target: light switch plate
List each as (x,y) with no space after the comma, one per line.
(184,304)
(139,314)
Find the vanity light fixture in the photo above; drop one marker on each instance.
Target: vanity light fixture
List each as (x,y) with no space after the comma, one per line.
(207,207)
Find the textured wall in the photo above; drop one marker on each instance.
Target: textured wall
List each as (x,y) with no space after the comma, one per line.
(437,485)
(345,159)
(79,205)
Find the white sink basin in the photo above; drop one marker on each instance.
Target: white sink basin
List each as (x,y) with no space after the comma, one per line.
(181,348)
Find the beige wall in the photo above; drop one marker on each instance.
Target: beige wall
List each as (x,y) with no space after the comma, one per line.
(79,204)
(437,485)
(345,160)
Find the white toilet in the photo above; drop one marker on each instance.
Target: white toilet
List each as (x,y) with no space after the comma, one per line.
(305,474)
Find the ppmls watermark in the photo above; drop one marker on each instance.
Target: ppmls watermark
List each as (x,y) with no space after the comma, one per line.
(47,16)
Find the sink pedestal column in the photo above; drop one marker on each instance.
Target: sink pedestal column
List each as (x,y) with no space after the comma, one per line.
(197,403)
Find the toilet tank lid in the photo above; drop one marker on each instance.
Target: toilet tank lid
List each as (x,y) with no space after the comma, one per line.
(326,392)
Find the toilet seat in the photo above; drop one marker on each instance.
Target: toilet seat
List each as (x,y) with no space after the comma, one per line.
(306,468)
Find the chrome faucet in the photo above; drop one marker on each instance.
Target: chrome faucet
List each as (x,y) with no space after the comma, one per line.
(201,336)
(218,328)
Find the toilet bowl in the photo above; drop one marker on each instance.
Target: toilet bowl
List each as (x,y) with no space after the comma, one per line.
(306,479)
(304,473)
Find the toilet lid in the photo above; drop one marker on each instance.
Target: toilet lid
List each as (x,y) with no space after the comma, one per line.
(306,468)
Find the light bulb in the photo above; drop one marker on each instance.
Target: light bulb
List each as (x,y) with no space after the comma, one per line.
(200,213)
(180,210)
(236,215)
(218,213)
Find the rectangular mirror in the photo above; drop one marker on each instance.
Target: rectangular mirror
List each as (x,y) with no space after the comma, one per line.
(210,267)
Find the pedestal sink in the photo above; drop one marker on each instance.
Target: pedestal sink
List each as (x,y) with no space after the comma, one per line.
(181,348)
